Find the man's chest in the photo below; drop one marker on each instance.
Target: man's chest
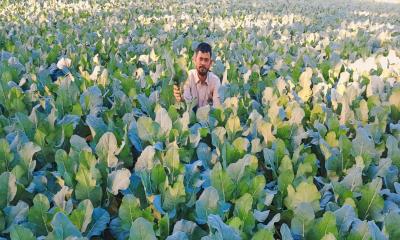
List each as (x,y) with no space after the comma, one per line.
(203,93)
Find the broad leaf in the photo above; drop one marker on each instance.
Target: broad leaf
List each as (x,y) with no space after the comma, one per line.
(142,229)
(63,228)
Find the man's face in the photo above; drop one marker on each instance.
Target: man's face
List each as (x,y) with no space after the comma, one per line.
(202,62)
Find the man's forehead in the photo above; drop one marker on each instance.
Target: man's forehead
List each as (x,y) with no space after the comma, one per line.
(203,54)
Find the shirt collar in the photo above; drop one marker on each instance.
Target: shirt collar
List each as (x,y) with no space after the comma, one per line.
(198,79)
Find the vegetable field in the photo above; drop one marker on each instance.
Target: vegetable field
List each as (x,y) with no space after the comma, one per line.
(304,146)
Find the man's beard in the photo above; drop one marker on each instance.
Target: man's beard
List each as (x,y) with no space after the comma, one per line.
(202,71)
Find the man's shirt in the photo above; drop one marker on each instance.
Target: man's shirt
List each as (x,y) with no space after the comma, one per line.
(203,93)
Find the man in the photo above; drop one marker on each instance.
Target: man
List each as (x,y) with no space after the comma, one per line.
(202,85)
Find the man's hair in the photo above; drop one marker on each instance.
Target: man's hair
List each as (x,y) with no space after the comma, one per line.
(204,47)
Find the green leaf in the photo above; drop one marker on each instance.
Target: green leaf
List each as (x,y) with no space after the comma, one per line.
(62,199)
(256,186)
(2,221)
(308,167)
(38,214)
(344,218)
(142,229)
(218,136)
(204,154)
(362,111)
(233,126)
(147,129)
(66,167)
(392,144)
(353,178)
(53,54)
(26,154)
(359,231)
(67,94)
(16,214)
(263,234)
(203,113)
(237,170)
(171,159)
(231,153)
(241,145)
(345,151)
(286,174)
(285,232)
(304,193)
(129,211)
(8,188)
(7,156)
(134,136)
(371,204)
(118,180)
(323,226)
(223,231)
(82,215)
(163,119)
(221,181)
(329,236)
(174,195)
(242,210)
(145,160)
(86,187)
(208,203)
(274,156)
(178,236)
(24,123)
(97,126)
(264,128)
(297,116)
(21,233)
(107,149)
(63,228)
(146,105)
(391,224)
(158,176)
(190,228)
(302,219)
(164,226)
(79,144)
(100,219)
(336,164)
(92,100)
(330,138)
(305,82)
(364,146)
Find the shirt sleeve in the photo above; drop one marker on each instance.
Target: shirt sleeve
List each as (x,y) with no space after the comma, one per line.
(216,98)
(187,95)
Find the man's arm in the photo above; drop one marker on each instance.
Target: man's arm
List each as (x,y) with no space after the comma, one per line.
(177,93)
(187,95)
(216,98)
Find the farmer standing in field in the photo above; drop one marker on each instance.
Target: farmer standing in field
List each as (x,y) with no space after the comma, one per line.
(202,85)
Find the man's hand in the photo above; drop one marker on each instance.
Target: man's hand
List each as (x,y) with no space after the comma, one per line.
(177,93)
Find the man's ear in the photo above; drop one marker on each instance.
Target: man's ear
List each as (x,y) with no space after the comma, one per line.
(194,57)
